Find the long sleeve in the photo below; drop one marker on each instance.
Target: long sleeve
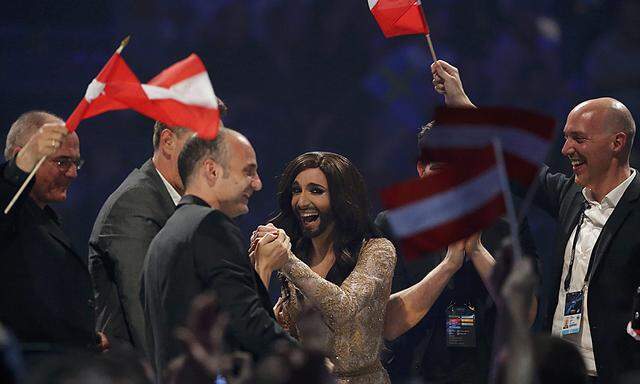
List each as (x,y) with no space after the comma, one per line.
(117,250)
(369,280)
(11,177)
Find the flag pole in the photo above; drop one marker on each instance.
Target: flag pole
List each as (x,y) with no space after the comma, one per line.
(15,198)
(508,199)
(430,44)
(428,35)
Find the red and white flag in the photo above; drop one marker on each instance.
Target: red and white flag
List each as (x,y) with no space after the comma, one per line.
(181,95)
(427,214)
(95,101)
(525,137)
(399,17)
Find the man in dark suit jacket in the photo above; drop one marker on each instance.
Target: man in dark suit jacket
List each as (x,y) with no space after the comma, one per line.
(126,224)
(45,288)
(600,203)
(201,249)
(597,249)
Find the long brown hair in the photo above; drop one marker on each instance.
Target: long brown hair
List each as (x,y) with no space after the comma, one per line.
(349,207)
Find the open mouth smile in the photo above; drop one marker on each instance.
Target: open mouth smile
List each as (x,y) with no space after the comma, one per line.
(308,217)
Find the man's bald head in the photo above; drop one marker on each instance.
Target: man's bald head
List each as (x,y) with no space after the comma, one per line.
(611,116)
(24,127)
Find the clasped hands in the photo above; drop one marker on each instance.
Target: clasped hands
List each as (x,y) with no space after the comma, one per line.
(456,252)
(270,248)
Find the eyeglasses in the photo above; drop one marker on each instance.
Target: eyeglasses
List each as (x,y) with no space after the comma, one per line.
(64,163)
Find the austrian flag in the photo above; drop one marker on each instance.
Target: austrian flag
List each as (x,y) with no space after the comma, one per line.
(430,213)
(399,17)
(181,95)
(525,137)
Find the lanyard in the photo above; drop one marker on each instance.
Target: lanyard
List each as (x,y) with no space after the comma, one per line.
(567,279)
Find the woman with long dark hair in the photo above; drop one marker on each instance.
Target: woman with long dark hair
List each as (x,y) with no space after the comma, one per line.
(338,265)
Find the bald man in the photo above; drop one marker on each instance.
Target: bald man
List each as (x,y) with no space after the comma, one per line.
(45,288)
(590,281)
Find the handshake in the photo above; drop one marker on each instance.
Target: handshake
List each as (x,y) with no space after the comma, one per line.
(269,250)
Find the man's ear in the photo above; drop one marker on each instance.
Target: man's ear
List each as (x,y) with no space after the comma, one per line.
(167,140)
(211,170)
(15,151)
(619,142)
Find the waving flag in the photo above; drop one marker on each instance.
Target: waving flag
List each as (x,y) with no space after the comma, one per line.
(181,95)
(427,214)
(525,137)
(95,101)
(399,17)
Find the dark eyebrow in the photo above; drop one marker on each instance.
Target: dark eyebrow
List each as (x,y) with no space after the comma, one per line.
(312,185)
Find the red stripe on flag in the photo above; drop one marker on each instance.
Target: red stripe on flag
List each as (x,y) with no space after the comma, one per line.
(400,17)
(179,71)
(204,121)
(518,169)
(478,161)
(460,228)
(116,69)
(537,124)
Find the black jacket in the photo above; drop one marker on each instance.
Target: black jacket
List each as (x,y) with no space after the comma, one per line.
(130,218)
(616,263)
(45,288)
(200,249)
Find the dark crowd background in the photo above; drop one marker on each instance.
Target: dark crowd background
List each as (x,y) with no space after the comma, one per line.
(301,75)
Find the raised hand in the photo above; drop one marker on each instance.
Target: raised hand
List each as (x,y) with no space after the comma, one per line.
(44,142)
(455,254)
(447,82)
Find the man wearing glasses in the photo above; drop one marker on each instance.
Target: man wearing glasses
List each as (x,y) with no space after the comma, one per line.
(45,288)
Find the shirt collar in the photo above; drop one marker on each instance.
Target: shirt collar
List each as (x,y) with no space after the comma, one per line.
(175,196)
(612,198)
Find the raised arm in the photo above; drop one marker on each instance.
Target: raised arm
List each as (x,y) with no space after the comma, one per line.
(447,82)
(407,307)
(44,142)
(369,280)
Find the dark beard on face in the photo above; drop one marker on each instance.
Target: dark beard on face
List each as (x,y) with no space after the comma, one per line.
(326,218)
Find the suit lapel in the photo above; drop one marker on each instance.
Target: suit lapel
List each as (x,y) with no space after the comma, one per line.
(620,213)
(573,215)
(55,231)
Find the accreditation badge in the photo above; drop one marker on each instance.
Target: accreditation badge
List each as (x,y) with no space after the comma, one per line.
(461,326)
(572,319)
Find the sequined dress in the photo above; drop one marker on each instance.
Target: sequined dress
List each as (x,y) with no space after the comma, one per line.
(352,314)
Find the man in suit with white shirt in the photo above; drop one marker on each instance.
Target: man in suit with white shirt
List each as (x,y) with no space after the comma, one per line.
(593,274)
(128,221)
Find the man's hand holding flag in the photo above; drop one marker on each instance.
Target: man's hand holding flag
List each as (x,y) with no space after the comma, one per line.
(181,95)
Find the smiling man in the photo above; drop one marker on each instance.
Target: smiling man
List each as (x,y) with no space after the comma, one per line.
(593,274)
(201,249)
(45,289)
